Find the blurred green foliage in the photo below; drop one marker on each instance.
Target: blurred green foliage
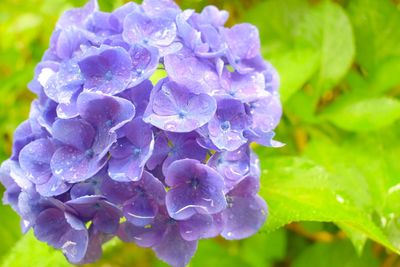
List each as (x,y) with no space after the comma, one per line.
(336,184)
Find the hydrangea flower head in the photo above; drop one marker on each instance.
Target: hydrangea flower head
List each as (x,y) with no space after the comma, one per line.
(107,153)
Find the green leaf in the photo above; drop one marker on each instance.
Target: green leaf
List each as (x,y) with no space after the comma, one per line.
(333,255)
(365,114)
(304,40)
(376,27)
(10,231)
(262,250)
(31,252)
(337,44)
(298,189)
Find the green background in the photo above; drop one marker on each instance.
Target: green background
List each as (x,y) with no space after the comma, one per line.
(333,190)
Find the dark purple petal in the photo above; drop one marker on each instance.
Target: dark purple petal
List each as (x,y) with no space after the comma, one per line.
(143,236)
(200,226)
(173,249)
(243,217)
(139,96)
(140,210)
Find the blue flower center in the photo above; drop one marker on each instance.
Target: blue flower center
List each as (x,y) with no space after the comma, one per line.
(182,114)
(171,221)
(139,72)
(109,123)
(89,153)
(225,125)
(237,60)
(229,201)
(194,183)
(108,76)
(268,78)
(140,191)
(136,152)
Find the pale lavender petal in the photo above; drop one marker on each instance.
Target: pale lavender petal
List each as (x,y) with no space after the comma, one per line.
(35,160)
(158,31)
(53,187)
(173,108)
(198,75)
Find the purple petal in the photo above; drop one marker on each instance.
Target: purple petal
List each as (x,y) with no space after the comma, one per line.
(144,63)
(73,166)
(212,15)
(243,217)
(243,40)
(23,135)
(199,226)
(244,88)
(198,75)
(234,165)
(50,226)
(143,236)
(108,70)
(266,113)
(173,108)
(74,132)
(77,16)
(139,96)
(173,249)
(35,160)
(139,28)
(53,187)
(107,218)
(140,210)
(125,170)
(99,109)
(195,188)
(160,8)
(117,192)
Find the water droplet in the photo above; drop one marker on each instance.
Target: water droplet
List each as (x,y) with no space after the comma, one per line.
(339,199)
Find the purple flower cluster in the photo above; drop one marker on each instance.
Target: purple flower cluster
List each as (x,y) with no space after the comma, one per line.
(106,153)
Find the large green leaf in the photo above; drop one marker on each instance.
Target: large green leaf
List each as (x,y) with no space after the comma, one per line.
(334,254)
(299,189)
(376,25)
(304,40)
(364,114)
(30,252)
